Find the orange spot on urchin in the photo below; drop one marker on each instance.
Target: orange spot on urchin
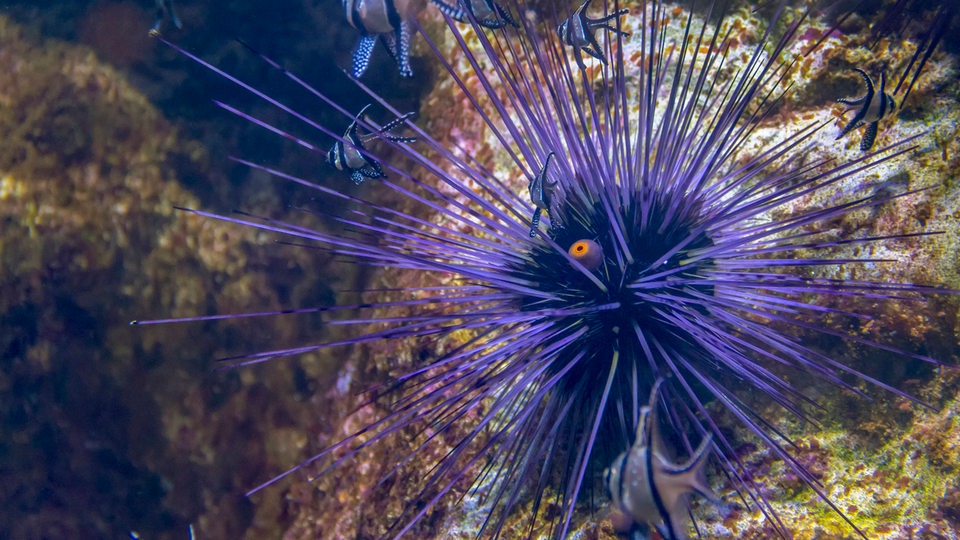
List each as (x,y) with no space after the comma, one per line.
(588,253)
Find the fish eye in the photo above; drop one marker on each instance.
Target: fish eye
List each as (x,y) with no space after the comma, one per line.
(587,252)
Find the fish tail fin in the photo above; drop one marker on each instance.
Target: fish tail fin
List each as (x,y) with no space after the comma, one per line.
(697,470)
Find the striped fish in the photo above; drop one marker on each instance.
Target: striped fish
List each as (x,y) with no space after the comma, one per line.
(349,154)
(579,31)
(487,13)
(871,108)
(388,20)
(646,488)
(541,192)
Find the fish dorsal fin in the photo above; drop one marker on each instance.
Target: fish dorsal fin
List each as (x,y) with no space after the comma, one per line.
(646,428)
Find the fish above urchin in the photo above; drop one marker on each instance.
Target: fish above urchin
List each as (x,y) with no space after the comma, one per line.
(669,252)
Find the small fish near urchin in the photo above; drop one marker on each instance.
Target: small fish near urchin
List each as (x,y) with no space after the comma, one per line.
(540,189)
(646,489)
(671,252)
(351,155)
(874,105)
(579,31)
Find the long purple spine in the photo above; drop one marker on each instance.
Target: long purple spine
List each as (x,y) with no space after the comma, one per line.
(694,269)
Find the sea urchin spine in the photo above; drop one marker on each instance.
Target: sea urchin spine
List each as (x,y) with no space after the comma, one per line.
(668,253)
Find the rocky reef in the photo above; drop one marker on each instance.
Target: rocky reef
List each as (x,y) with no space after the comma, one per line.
(112,428)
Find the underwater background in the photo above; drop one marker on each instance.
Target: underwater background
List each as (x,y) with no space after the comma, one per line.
(110,430)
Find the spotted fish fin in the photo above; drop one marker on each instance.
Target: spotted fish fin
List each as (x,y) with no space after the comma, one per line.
(373,170)
(394,124)
(535,222)
(361,56)
(453,11)
(404,33)
(594,51)
(505,16)
(869,135)
(398,45)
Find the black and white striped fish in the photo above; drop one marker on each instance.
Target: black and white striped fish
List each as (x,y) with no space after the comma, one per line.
(646,488)
(388,20)
(541,192)
(487,13)
(579,31)
(871,108)
(349,154)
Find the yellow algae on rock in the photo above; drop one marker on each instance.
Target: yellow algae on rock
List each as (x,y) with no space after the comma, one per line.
(91,240)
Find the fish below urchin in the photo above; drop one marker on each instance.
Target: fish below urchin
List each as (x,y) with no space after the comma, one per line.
(578,229)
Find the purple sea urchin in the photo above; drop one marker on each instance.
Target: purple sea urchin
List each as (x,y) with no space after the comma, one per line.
(701,270)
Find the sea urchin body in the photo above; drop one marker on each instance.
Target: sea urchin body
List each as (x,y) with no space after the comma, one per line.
(664,253)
